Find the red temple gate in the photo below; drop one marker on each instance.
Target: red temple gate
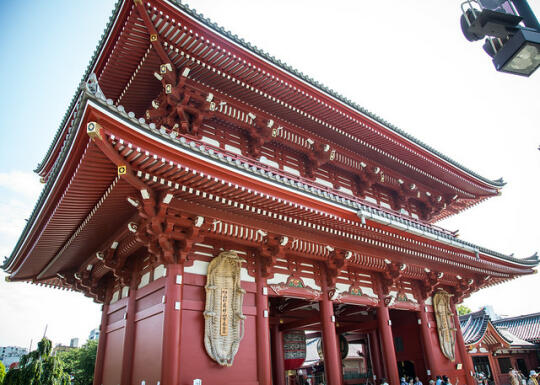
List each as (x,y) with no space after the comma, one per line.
(187,142)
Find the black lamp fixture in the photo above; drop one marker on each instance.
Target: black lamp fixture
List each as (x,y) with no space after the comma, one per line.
(520,55)
(511,32)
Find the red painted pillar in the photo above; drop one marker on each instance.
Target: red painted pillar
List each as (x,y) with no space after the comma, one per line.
(332,358)
(431,355)
(375,354)
(495,373)
(278,362)
(387,342)
(172,322)
(465,357)
(387,339)
(264,363)
(129,333)
(100,355)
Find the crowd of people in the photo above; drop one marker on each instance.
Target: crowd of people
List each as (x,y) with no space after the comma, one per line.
(517,378)
(406,380)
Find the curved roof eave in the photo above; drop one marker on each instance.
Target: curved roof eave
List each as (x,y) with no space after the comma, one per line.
(55,170)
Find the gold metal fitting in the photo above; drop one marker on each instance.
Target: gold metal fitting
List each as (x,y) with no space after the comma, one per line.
(122,169)
(153,37)
(333,155)
(93,130)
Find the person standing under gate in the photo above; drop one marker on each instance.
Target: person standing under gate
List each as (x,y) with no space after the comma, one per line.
(533,379)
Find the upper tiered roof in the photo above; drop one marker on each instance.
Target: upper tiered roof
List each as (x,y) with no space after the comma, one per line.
(125,62)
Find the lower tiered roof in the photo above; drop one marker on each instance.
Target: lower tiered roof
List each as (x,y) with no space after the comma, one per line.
(84,201)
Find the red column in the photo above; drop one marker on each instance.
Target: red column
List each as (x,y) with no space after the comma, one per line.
(387,342)
(375,354)
(264,365)
(100,355)
(465,357)
(428,342)
(278,362)
(129,333)
(172,322)
(332,359)
(494,369)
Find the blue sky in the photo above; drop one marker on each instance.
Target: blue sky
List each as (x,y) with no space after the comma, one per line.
(412,67)
(46,49)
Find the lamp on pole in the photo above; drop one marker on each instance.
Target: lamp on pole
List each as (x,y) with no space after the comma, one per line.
(511,32)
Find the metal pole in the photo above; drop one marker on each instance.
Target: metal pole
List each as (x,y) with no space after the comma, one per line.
(525,11)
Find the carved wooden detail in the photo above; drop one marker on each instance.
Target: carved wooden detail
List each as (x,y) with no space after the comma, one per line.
(335,263)
(391,275)
(429,284)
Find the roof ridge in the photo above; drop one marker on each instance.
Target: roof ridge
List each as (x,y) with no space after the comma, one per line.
(522,316)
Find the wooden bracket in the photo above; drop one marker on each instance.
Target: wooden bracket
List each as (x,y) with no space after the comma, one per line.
(335,263)
(321,154)
(429,284)
(271,249)
(391,276)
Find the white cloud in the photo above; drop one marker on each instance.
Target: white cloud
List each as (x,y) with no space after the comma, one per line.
(25,183)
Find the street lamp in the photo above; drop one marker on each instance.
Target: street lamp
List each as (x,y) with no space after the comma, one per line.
(511,30)
(520,55)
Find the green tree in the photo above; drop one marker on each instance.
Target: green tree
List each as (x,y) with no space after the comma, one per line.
(462,310)
(80,363)
(2,372)
(38,368)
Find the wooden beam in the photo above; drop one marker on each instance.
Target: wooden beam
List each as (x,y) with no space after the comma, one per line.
(301,323)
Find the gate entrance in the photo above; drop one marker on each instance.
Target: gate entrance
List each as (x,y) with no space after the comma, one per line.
(356,332)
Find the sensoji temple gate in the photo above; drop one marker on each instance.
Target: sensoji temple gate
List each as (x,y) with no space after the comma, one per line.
(215,200)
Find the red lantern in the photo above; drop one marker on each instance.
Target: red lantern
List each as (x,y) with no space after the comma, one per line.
(294,349)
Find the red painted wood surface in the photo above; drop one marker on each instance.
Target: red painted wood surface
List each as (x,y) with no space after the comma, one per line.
(405,326)
(430,345)
(172,326)
(332,358)
(100,354)
(387,343)
(264,361)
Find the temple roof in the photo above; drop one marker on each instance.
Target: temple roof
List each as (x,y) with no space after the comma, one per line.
(526,327)
(357,128)
(478,328)
(474,327)
(67,226)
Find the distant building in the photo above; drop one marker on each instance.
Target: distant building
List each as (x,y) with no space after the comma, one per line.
(497,346)
(94,335)
(74,343)
(11,354)
(64,348)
